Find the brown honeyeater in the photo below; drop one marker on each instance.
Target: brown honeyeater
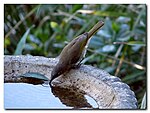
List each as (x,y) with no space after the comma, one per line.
(74,52)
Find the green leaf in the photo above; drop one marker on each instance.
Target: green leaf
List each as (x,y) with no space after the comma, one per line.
(21,44)
(136,43)
(95,42)
(110,13)
(88,58)
(110,69)
(108,48)
(133,77)
(34,39)
(123,19)
(76,7)
(115,27)
(124,33)
(132,43)
(104,33)
(7,42)
(35,75)
(55,26)
(29,47)
(85,26)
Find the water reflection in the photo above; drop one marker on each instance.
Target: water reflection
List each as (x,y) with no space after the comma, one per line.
(29,96)
(71,98)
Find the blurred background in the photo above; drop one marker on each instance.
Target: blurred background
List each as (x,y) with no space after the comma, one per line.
(119,47)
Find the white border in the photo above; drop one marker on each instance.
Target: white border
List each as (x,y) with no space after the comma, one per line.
(61,2)
(76,1)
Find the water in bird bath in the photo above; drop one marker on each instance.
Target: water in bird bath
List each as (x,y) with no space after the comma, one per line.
(29,96)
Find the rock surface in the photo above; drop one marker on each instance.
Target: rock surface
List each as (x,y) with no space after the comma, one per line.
(107,90)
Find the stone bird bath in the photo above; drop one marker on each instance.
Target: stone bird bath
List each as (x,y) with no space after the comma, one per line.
(107,90)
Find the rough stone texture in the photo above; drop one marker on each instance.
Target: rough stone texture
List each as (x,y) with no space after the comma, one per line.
(107,90)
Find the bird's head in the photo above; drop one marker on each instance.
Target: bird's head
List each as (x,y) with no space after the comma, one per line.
(56,72)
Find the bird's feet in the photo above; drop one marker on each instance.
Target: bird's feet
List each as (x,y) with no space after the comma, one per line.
(77,66)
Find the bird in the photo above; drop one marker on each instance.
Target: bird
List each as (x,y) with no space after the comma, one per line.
(74,52)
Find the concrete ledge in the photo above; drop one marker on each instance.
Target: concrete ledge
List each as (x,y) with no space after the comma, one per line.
(107,90)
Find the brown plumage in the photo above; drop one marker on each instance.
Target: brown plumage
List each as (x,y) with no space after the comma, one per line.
(73,53)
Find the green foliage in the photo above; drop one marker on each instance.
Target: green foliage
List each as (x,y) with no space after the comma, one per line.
(21,44)
(119,47)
